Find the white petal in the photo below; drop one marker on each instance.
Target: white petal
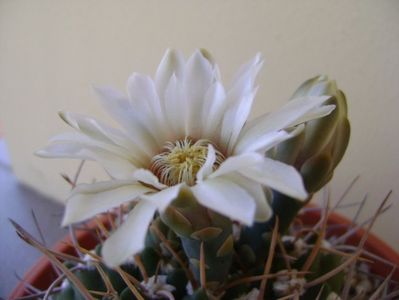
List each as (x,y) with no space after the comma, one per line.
(236,163)
(234,120)
(198,77)
(143,94)
(213,110)
(116,165)
(144,97)
(115,103)
(129,238)
(244,79)
(263,209)
(226,198)
(90,127)
(100,134)
(176,106)
(171,63)
(75,137)
(122,111)
(112,157)
(315,113)
(240,98)
(163,198)
(207,167)
(287,116)
(99,187)
(87,200)
(278,176)
(64,150)
(149,178)
(263,143)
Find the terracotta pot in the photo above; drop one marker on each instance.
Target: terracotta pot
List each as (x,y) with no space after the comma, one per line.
(42,274)
(373,243)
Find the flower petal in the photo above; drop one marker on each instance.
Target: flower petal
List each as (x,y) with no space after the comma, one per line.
(144,97)
(278,176)
(91,127)
(263,210)
(177,118)
(245,77)
(163,198)
(240,98)
(267,141)
(207,167)
(118,106)
(236,163)
(101,134)
(171,63)
(213,109)
(234,120)
(142,93)
(87,200)
(198,77)
(286,117)
(149,178)
(129,238)
(116,165)
(315,113)
(227,198)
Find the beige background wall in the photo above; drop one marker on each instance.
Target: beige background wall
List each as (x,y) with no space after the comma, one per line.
(52,51)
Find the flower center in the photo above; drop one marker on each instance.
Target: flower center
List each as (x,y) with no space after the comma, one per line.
(180,161)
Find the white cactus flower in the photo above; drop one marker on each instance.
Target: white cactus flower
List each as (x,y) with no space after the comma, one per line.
(181,130)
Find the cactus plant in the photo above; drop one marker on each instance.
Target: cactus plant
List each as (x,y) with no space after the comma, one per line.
(205,200)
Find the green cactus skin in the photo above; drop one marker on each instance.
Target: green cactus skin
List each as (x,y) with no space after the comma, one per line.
(150,258)
(195,224)
(91,279)
(178,279)
(67,294)
(199,294)
(323,264)
(127,295)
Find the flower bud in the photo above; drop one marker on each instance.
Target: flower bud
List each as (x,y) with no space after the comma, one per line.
(321,145)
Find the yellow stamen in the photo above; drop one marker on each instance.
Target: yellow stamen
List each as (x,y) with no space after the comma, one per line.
(181,161)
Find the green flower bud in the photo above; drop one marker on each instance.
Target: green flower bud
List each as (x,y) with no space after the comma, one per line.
(321,145)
